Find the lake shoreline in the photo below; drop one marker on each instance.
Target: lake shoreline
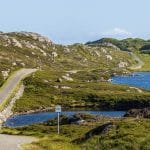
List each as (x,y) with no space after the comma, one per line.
(37,118)
(66,109)
(121,104)
(103,106)
(133,80)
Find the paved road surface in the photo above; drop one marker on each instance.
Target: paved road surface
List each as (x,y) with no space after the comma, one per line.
(7,90)
(12,142)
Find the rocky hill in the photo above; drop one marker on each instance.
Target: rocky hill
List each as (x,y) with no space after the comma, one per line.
(76,75)
(129,44)
(26,49)
(136,46)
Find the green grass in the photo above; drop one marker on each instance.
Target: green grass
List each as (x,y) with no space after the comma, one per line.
(146,59)
(87,88)
(41,92)
(48,138)
(128,133)
(53,142)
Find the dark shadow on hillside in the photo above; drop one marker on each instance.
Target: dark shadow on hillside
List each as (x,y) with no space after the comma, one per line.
(103,129)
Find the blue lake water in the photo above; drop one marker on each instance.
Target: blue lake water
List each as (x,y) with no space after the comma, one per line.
(137,79)
(29,119)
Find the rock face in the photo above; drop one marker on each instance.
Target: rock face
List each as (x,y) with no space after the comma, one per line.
(138,113)
(122,64)
(9,39)
(16,43)
(100,130)
(109,57)
(103,129)
(35,36)
(5,73)
(67,77)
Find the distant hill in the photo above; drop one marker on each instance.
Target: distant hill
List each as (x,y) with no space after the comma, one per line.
(129,44)
(145,49)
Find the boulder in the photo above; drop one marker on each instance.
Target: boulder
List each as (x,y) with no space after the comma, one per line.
(122,64)
(138,113)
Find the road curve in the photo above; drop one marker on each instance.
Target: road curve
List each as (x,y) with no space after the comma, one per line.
(12,142)
(139,64)
(12,83)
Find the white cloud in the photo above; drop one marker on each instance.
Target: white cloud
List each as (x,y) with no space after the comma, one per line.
(117,32)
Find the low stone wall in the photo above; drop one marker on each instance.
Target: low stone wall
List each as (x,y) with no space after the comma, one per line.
(7,112)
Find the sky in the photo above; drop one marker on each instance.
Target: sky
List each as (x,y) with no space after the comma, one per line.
(77,21)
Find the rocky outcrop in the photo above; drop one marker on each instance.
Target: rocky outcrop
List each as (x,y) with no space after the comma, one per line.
(16,43)
(99,130)
(67,77)
(79,118)
(138,113)
(11,39)
(103,129)
(122,64)
(109,57)
(5,74)
(35,36)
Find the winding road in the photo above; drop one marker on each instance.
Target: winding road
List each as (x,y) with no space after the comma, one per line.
(12,83)
(139,64)
(11,142)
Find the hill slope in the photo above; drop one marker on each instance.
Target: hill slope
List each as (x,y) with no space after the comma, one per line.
(137,46)
(74,75)
(26,49)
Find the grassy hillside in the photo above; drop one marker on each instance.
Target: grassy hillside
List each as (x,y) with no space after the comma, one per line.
(25,49)
(129,44)
(74,75)
(43,89)
(138,46)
